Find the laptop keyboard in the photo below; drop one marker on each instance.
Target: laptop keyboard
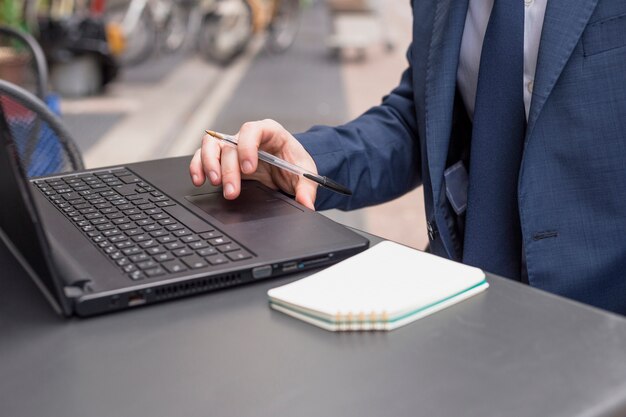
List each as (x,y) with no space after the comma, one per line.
(139,228)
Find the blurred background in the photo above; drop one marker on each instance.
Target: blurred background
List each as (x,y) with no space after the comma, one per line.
(141,79)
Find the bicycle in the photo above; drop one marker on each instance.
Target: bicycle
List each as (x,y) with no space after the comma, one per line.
(228,28)
(148,26)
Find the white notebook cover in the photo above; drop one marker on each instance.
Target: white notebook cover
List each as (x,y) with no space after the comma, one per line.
(382,288)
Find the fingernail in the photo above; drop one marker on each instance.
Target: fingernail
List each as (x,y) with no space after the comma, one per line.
(194,178)
(213,176)
(229,189)
(247,167)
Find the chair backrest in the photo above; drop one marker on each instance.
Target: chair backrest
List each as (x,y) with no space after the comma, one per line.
(44,144)
(22,61)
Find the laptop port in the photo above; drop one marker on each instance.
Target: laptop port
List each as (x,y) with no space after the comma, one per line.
(290,266)
(136,300)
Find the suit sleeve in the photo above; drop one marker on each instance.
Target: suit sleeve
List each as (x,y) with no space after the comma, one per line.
(376,155)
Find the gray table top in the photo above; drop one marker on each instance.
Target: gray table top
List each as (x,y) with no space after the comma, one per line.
(511,351)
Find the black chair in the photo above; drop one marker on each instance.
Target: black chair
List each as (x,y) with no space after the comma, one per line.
(23,61)
(43,143)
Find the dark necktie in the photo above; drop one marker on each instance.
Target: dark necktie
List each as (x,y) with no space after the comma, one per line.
(492,228)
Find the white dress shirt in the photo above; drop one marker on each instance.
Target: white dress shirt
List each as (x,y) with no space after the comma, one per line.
(473,35)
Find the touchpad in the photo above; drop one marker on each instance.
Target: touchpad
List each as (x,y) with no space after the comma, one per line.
(253,203)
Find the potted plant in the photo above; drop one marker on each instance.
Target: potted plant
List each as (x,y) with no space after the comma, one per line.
(13,58)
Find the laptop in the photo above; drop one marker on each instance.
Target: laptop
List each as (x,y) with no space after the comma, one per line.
(109,239)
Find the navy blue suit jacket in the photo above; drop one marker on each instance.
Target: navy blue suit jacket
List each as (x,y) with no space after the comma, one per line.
(572,182)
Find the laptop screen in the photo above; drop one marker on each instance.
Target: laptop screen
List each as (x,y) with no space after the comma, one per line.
(18,215)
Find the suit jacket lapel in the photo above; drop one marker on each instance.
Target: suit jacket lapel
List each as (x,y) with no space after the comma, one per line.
(564,23)
(443,59)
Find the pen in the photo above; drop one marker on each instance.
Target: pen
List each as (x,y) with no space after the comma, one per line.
(287,166)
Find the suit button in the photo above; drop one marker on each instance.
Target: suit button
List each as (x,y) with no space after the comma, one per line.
(432,231)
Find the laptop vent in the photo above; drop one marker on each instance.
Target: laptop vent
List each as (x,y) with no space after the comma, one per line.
(196,286)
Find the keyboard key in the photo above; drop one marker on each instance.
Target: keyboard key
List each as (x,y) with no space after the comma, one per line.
(190,238)
(140,257)
(219,241)
(133,197)
(129,268)
(239,255)
(168,239)
(155,250)
(174,266)
(146,264)
(157,199)
(118,238)
(111,232)
(151,227)
(165,203)
(141,237)
(201,244)
(121,172)
(110,249)
(159,233)
(125,190)
(133,232)
(123,262)
(183,252)
(130,179)
(207,251)
(194,262)
(116,255)
(136,275)
(154,272)
(70,195)
(162,257)
(181,232)
(145,222)
(210,235)
(229,247)
(131,251)
(175,245)
(148,243)
(216,259)
(174,226)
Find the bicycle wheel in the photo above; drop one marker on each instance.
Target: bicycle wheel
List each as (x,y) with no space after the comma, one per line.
(176,26)
(225,33)
(284,26)
(140,40)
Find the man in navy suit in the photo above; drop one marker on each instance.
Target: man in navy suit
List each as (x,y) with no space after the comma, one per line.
(512,115)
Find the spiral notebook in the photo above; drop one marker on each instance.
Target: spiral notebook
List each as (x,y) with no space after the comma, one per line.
(382,288)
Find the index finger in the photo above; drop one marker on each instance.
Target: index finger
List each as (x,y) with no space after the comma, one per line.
(268,134)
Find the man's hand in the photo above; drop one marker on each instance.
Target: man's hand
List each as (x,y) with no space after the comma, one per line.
(226,165)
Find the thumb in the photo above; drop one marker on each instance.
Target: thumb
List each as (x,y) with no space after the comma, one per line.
(305,192)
